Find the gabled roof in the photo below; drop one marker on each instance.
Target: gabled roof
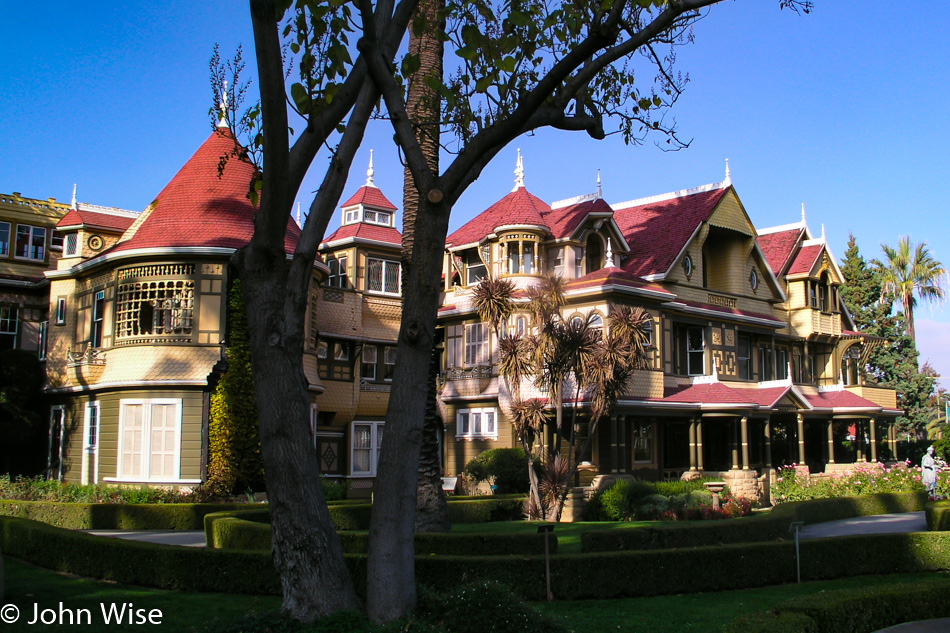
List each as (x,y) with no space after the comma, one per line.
(805,259)
(199,209)
(778,248)
(369,196)
(565,220)
(116,220)
(616,277)
(839,399)
(657,229)
(363,232)
(518,208)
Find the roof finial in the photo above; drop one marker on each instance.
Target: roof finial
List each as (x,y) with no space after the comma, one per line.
(369,172)
(75,205)
(600,192)
(298,215)
(609,256)
(728,179)
(223,114)
(519,172)
(822,231)
(789,374)
(803,214)
(715,374)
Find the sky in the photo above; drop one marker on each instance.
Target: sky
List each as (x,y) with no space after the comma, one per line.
(842,110)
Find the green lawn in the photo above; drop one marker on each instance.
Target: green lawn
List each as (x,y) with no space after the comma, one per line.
(705,613)
(568,534)
(27,585)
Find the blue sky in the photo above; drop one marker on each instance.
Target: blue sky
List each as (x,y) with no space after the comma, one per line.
(843,110)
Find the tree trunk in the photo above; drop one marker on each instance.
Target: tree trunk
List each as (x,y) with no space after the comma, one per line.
(424,108)
(391,588)
(307,554)
(432,511)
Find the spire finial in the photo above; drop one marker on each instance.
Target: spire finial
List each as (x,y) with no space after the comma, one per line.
(600,192)
(298,215)
(609,256)
(75,205)
(369,172)
(223,114)
(728,179)
(803,214)
(822,231)
(519,172)
(789,374)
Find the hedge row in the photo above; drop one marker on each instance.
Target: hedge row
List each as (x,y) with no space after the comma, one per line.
(117,516)
(857,610)
(761,528)
(579,576)
(938,516)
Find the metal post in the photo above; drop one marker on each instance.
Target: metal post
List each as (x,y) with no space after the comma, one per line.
(796,526)
(546,530)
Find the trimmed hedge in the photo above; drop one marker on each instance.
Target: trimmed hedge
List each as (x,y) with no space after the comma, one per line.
(764,527)
(858,610)
(938,516)
(117,516)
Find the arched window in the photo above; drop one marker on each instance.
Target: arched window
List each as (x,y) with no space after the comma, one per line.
(595,253)
(521,325)
(824,300)
(597,321)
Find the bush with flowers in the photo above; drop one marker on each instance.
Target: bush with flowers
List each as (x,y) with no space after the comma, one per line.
(646,501)
(794,483)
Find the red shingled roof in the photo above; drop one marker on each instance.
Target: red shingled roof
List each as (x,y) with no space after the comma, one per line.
(613,276)
(92,218)
(517,208)
(839,399)
(658,231)
(777,248)
(361,230)
(563,221)
(199,209)
(370,197)
(707,393)
(805,259)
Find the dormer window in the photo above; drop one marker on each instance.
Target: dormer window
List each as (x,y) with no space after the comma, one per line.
(71,245)
(474,268)
(383,218)
(352,216)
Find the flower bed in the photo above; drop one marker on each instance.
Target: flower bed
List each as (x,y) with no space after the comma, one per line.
(662,501)
(794,483)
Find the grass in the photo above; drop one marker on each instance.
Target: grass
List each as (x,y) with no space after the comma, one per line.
(191,612)
(568,534)
(27,585)
(701,612)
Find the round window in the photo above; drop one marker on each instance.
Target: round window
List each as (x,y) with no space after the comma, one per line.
(754,280)
(687,265)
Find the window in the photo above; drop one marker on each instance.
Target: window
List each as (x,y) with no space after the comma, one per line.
(823,293)
(30,242)
(334,360)
(4,239)
(383,218)
(514,258)
(389,363)
(54,458)
(352,216)
(766,368)
(475,268)
(476,344)
(92,426)
(453,346)
(695,350)
(56,241)
(812,294)
(368,366)
(71,245)
(648,332)
(337,278)
(98,310)
(149,432)
(688,266)
(754,279)
(61,311)
(382,275)
(744,357)
(41,346)
(8,327)
(155,309)
(367,438)
(521,325)
(578,262)
(596,322)
(476,423)
(642,441)
(556,261)
(781,364)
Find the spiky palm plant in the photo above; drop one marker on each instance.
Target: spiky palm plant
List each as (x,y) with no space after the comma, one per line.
(910,271)
(493,301)
(528,419)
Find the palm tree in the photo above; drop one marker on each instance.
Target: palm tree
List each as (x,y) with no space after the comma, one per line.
(910,271)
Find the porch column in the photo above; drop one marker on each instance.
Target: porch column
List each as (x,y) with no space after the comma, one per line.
(622,443)
(613,444)
(699,443)
(831,441)
(892,439)
(859,441)
(801,438)
(873,423)
(692,444)
(734,441)
(744,429)
(767,443)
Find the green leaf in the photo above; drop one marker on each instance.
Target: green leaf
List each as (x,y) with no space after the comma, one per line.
(507,64)
(483,84)
(657,101)
(410,64)
(517,18)
(466,52)
(301,99)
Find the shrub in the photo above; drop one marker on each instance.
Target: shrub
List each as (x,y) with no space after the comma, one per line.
(39,489)
(114,516)
(795,484)
(938,516)
(484,606)
(505,468)
(333,489)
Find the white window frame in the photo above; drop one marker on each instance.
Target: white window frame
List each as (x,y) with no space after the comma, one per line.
(476,344)
(61,311)
(146,404)
(44,335)
(370,356)
(375,443)
(389,361)
(337,277)
(351,216)
(382,218)
(385,264)
(473,417)
(97,317)
(90,433)
(692,353)
(33,232)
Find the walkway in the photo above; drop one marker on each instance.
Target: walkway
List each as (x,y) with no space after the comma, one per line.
(185,538)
